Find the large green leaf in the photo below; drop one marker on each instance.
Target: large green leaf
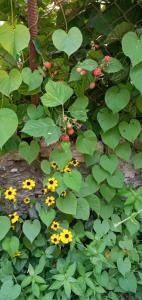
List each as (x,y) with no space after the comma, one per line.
(111,138)
(78,108)
(101,228)
(107,119)
(86,142)
(116,180)
(83,209)
(123,151)
(136,76)
(47,216)
(33,80)
(10,82)
(131,130)
(67,42)
(31,229)
(14,38)
(132,47)
(61,155)
(67,205)
(113,66)
(88,64)
(29,152)
(73,180)
(8,124)
(43,128)
(129,283)
(109,163)
(99,173)
(117,98)
(107,192)
(57,93)
(9,291)
(124,265)
(11,245)
(4,226)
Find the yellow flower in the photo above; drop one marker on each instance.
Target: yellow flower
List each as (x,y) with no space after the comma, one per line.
(55,226)
(14,217)
(50,201)
(13,200)
(53,165)
(63,194)
(66,236)
(44,191)
(28,184)
(52,184)
(74,162)
(55,239)
(67,169)
(26,200)
(18,253)
(10,193)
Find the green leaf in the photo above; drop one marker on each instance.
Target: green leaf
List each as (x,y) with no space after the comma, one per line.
(29,152)
(129,283)
(61,155)
(117,98)
(43,128)
(88,64)
(101,228)
(94,203)
(10,82)
(116,180)
(11,245)
(138,161)
(73,180)
(123,151)
(45,166)
(9,291)
(32,79)
(68,42)
(99,174)
(132,47)
(139,103)
(86,142)
(31,229)
(113,66)
(35,112)
(47,216)
(107,192)
(135,75)
(14,38)
(123,265)
(8,124)
(4,226)
(57,93)
(7,57)
(83,209)
(26,281)
(131,130)
(78,108)
(111,138)
(67,205)
(88,187)
(126,244)
(107,119)
(109,162)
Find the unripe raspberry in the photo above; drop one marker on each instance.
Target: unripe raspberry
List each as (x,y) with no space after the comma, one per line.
(71,131)
(92,85)
(83,72)
(65,138)
(107,59)
(47,65)
(78,69)
(97,72)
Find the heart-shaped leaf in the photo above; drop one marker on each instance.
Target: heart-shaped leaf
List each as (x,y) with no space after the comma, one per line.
(124,265)
(132,47)
(107,119)
(99,174)
(14,38)
(83,209)
(116,180)
(109,163)
(57,93)
(9,291)
(113,66)
(29,151)
(136,76)
(117,98)
(8,124)
(86,142)
(111,138)
(67,206)
(123,151)
(32,79)
(73,180)
(88,64)
(47,216)
(9,82)
(131,130)
(35,112)
(11,245)
(67,42)
(138,161)
(78,108)
(31,229)
(101,228)
(107,192)
(4,226)
(129,283)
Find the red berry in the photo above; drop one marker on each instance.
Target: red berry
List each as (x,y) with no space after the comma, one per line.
(83,72)
(97,72)
(47,65)
(107,58)
(97,46)
(92,85)
(71,131)
(79,69)
(65,138)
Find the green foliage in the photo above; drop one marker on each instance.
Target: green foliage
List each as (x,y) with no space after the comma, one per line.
(5,226)
(29,152)
(8,124)
(9,82)
(31,229)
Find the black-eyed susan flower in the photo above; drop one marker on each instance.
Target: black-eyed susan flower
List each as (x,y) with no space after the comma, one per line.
(10,193)
(52,184)
(53,165)
(55,239)
(18,253)
(26,200)
(74,162)
(14,217)
(45,191)
(50,200)
(63,194)
(13,200)
(28,184)
(55,225)
(67,169)
(66,236)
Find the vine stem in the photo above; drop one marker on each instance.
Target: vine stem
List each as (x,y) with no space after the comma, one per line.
(128,218)
(62,10)
(12,13)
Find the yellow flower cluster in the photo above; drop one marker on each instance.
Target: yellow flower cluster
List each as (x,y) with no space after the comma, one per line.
(11,193)
(65,236)
(52,184)
(14,217)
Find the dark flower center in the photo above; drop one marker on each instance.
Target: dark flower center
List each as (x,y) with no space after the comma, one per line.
(55,240)
(28,183)
(66,235)
(9,193)
(55,225)
(51,182)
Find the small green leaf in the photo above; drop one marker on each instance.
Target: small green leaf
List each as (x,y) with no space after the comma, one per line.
(116,180)
(61,155)
(83,209)
(10,82)
(9,291)
(78,108)
(29,152)
(35,112)
(131,130)
(11,245)
(73,180)
(107,119)
(111,138)
(88,64)
(138,161)
(107,192)
(67,205)
(32,79)
(8,124)
(124,265)
(47,216)
(117,98)
(31,229)
(132,47)
(4,226)
(86,142)
(123,151)
(109,162)
(113,66)
(99,174)
(101,228)
(45,166)
(129,283)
